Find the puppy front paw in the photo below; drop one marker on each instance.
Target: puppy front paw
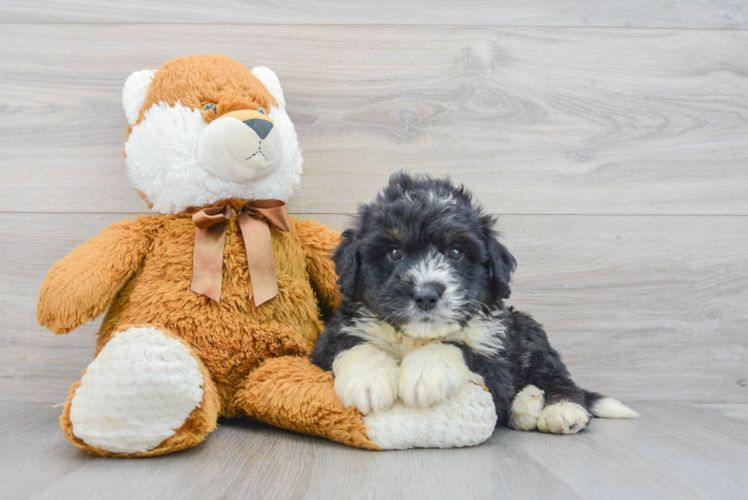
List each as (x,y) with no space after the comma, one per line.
(366,377)
(563,418)
(432,374)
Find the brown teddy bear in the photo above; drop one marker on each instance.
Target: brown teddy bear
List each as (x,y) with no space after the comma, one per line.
(213,303)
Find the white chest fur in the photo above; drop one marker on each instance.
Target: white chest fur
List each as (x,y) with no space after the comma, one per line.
(483,334)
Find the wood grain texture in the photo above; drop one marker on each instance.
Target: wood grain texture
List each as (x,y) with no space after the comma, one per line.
(641,307)
(535,120)
(588,116)
(720,14)
(668,453)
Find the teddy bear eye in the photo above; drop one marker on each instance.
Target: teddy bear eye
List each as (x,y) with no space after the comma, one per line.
(261,110)
(209,106)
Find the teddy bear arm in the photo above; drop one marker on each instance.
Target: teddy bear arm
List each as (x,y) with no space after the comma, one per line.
(81,285)
(319,242)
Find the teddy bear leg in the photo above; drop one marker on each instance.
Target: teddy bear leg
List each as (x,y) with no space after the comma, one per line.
(144,394)
(292,393)
(466,419)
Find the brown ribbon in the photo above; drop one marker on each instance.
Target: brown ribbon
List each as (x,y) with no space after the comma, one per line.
(210,238)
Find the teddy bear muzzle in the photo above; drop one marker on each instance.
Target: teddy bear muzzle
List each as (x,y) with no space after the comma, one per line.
(241,146)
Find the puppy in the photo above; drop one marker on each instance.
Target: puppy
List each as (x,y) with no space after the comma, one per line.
(423,278)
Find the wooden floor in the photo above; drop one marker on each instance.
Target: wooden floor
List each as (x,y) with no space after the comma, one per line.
(676,451)
(610,136)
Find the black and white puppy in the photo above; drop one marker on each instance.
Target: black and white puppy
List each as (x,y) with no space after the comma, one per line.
(423,278)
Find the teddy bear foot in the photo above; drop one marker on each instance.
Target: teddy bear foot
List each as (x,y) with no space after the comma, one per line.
(293,393)
(466,419)
(144,394)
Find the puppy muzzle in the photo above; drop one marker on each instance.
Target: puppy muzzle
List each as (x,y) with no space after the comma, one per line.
(426,297)
(241,146)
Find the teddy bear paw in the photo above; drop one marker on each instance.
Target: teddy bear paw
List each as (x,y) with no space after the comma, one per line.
(466,419)
(137,392)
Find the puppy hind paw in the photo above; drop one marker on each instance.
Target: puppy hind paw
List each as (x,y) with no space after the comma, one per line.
(563,418)
(527,408)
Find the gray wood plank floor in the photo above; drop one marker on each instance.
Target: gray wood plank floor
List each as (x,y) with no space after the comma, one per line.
(674,451)
(611,135)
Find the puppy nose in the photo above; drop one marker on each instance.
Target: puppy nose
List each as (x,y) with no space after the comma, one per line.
(260,126)
(427,297)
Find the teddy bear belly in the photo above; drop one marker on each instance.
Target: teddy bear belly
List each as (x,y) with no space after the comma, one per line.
(232,337)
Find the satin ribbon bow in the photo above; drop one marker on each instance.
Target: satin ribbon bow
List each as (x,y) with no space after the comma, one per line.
(210,237)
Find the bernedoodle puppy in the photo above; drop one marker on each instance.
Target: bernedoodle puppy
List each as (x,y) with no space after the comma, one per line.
(423,278)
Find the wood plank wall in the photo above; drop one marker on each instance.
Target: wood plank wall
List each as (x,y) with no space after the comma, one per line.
(610,136)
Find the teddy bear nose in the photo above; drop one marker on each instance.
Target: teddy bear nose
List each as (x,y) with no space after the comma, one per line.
(260,126)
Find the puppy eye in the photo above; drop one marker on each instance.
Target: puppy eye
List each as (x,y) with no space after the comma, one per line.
(455,253)
(261,110)
(395,254)
(210,106)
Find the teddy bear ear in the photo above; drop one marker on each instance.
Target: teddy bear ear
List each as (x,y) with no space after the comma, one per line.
(270,80)
(134,93)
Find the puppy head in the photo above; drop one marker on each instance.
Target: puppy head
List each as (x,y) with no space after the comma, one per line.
(423,258)
(205,128)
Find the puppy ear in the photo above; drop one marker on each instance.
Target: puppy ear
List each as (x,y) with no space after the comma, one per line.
(501,265)
(347,261)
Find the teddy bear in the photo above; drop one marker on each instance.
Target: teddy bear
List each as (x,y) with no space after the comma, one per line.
(213,301)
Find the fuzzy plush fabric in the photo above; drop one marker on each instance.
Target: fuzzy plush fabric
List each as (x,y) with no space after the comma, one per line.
(146,380)
(294,394)
(169,361)
(144,268)
(201,421)
(161,149)
(467,419)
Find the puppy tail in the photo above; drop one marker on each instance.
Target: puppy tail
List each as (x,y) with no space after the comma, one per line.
(605,407)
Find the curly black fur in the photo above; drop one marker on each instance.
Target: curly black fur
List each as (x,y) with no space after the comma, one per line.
(427,218)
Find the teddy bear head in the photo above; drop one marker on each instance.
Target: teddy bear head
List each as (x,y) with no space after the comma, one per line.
(205,128)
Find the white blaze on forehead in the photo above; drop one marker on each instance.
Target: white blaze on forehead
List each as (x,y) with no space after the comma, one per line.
(438,197)
(441,198)
(433,268)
